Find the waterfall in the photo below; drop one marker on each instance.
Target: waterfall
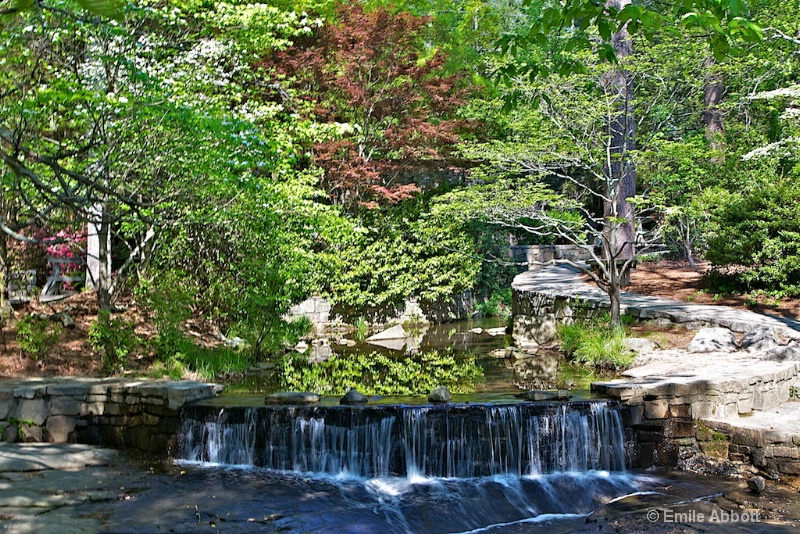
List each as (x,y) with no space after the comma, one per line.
(452,441)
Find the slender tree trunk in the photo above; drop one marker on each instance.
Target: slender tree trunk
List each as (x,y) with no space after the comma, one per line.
(621,171)
(714,93)
(104,256)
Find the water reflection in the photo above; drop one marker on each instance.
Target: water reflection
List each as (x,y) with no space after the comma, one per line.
(506,370)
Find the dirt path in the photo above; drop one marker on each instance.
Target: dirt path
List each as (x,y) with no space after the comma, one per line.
(677,280)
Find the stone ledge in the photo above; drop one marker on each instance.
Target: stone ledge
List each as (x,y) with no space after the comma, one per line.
(536,292)
(141,414)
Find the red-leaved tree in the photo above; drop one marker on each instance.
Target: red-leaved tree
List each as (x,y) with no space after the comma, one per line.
(371,75)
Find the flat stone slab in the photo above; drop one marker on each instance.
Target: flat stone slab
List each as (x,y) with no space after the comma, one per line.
(565,281)
(776,425)
(716,384)
(45,456)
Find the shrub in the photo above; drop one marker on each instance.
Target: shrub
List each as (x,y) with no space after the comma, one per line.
(498,305)
(35,334)
(114,339)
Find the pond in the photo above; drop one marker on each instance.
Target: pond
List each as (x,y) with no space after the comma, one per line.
(475,356)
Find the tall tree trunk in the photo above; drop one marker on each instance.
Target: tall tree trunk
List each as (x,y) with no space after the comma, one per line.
(714,93)
(104,257)
(621,171)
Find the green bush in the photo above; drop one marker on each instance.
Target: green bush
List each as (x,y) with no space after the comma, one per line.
(596,343)
(498,305)
(35,334)
(757,242)
(114,339)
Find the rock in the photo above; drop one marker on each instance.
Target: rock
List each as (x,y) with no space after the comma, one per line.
(538,395)
(476,330)
(640,345)
(790,352)
(292,397)
(757,485)
(395,332)
(501,353)
(499,331)
(346,342)
(523,354)
(353,397)
(236,343)
(713,340)
(66,319)
(440,395)
(761,338)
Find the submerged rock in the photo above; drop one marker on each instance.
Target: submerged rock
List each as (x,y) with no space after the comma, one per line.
(538,395)
(713,340)
(353,396)
(501,353)
(292,397)
(440,395)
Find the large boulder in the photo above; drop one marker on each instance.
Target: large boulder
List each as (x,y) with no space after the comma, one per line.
(789,353)
(713,340)
(352,397)
(760,338)
(440,395)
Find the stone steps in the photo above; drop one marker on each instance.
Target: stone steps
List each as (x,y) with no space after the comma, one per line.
(769,439)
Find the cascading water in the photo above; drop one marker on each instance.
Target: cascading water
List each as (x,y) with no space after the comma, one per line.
(465,441)
(451,468)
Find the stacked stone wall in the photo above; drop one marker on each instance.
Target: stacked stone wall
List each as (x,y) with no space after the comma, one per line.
(143,415)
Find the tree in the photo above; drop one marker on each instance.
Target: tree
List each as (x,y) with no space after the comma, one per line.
(388,104)
(145,118)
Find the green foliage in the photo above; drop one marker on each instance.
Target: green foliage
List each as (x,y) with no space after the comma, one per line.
(35,335)
(401,251)
(498,305)
(596,343)
(21,424)
(760,231)
(114,339)
(361,326)
(376,374)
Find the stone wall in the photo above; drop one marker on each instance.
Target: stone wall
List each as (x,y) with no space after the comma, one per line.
(538,314)
(322,313)
(532,255)
(317,309)
(138,414)
(776,453)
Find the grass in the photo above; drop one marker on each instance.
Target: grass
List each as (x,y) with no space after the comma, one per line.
(180,357)
(595,343)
